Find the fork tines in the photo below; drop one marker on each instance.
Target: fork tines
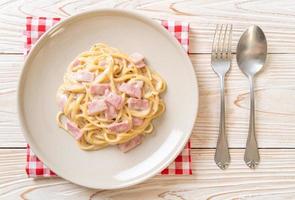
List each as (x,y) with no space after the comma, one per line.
(221,63)
(221,47)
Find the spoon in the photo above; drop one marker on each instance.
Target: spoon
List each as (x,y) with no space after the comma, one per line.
(251,56)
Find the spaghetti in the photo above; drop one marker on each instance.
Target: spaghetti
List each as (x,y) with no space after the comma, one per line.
(109,98)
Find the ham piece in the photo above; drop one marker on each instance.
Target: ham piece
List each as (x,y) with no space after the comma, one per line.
(99,89)
(131,144)
(96,106)
(61,100)
(110,112)
(137,121)
(137,59)
(132,89)
(138,104)
(76,63)
(120,127)
(114,99)
(83,76)
(74,130)
(140,64)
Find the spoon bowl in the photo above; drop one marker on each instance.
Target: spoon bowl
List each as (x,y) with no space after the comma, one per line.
(252,51)
(251,56)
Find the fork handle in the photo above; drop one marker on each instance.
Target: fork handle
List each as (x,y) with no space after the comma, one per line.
(222,157)
(251,156)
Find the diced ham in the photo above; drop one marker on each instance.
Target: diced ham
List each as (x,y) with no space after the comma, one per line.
(61,100)
(83,76)
(102,63)
(76,63)
(98,97)
(106,92)
(137,121)
(140,64)
(137,84)
(120,127)
(74,130)
(131,144)
(110,112)
(99,89)
(115,100)
(138,104)
(96,106)
(132,89)
(75,88)
(136,58)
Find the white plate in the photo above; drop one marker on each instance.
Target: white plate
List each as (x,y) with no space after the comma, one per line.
(43,72)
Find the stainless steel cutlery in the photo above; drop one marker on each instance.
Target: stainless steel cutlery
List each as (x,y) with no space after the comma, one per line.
(251,56)
(221,63)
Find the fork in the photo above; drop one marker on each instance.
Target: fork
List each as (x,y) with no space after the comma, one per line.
(221,63)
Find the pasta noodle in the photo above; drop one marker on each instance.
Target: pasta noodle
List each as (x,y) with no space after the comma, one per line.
(93,85)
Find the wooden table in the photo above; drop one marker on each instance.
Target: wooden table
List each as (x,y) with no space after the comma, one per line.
(275,106)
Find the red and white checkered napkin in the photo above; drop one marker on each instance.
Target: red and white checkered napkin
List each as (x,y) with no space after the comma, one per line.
(35,27)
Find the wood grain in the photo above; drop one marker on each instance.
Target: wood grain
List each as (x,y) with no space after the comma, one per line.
(275,110)
(10,132)
(277,18)
(274,179)
(275,92)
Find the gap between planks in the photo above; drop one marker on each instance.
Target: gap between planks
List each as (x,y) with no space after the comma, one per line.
(275,53)
(192,148)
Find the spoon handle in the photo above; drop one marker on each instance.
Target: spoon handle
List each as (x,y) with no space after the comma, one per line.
(222,157)
(251,156)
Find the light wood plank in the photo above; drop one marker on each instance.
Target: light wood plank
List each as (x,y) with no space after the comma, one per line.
(10,132)
(275,110)
(274,179)
(275,17)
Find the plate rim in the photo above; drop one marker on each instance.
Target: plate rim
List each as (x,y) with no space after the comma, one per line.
(35,48)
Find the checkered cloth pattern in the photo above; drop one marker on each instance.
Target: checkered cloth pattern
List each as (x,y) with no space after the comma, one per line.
(35,27)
